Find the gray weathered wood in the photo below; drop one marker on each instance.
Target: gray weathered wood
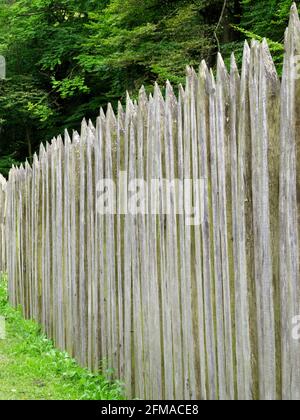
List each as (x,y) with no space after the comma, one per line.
(176,310)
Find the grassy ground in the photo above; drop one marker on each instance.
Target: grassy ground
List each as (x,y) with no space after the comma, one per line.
(32,369)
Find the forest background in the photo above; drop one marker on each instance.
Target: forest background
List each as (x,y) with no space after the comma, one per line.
(67,58)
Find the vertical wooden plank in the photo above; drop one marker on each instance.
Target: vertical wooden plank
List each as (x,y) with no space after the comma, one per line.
(148,238)
(234,122)
(67,275)
(24,229)
(120,238)
(23,243)
(33,237)
(219,303)
(17,240)
(197,273)
(289,210)
(2,224)
(172,239)
(153,299)
(142,115)
(90,241)
(44,278)
(27,249)
(53,243)
(36,237)
(48,250)
(273,153)
(59,217)
(16,227)
(222,100)
(264,139)
(100,160)
(181,230)
(10,230)
(3,204)
(242,288)
(270,117)
(74,249)
(204,149)
(110,244)
(256,309)
(136,289)
(128,351)
(94,256)
(19,219)
(188,336)
(82,246)
(98,251)
(166,327)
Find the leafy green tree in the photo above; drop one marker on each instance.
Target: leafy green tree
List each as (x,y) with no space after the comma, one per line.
(266,19)
(44,84)
(67,58)
(152,40)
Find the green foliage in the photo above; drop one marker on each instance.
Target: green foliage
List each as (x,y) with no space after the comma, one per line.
(31,368)
(66,58)
(40,111)
(6,162)
(144,41)
(266,19)
(68,88)
(40,39)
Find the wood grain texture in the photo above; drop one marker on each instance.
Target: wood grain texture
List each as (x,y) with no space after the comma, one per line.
(177,307)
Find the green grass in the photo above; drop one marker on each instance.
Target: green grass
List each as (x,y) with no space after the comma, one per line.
(32,369)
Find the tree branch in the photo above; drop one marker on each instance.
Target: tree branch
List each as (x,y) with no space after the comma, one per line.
(219,23)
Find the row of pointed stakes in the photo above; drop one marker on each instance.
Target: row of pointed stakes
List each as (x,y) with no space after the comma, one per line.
(258,71)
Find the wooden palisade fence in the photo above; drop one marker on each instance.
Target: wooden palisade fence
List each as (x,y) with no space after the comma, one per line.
(177,311)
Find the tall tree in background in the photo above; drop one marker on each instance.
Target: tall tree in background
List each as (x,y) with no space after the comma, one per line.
(66,58)
(153,40)
(45,86)
(266,19)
